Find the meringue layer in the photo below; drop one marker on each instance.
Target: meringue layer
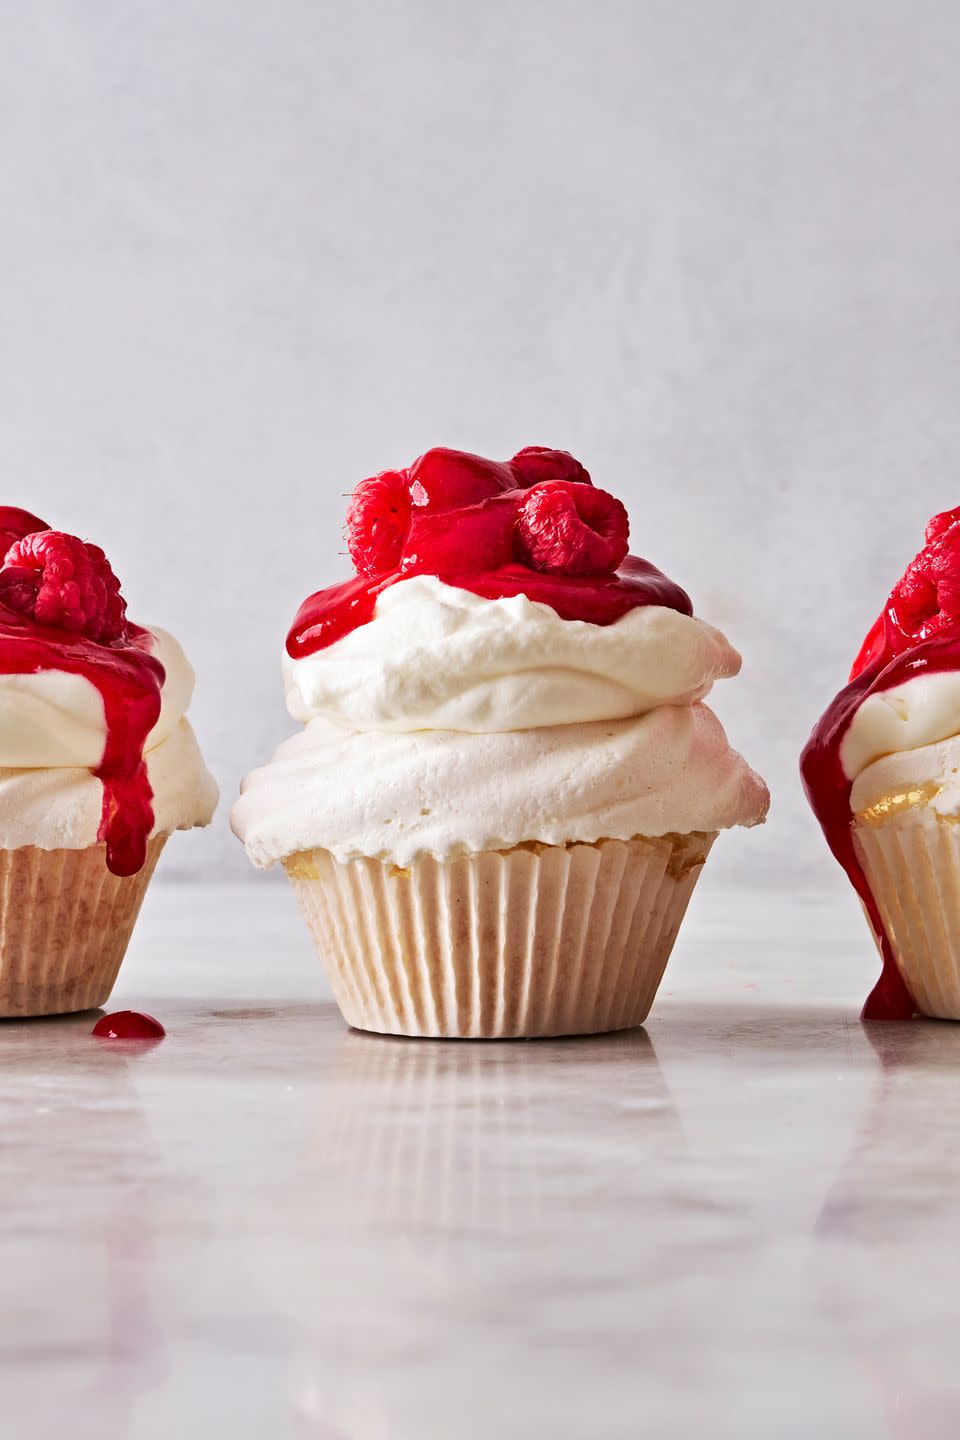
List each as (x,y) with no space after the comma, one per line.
(53,734)
(902,750)
(441,792)
(61,807)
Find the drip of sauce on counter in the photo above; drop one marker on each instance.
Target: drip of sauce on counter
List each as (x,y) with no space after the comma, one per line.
(128,1025)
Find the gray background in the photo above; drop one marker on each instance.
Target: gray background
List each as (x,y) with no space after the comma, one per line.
(251,252)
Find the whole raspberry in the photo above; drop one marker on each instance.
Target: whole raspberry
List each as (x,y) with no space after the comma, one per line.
(535,463)
(378,518)
(62,581)
(572,529)
(444,479)
(927,600)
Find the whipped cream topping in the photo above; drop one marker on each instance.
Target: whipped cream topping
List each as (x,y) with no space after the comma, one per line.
(905,742)
(451,723)
(907,717)
(52,736)
(435,657)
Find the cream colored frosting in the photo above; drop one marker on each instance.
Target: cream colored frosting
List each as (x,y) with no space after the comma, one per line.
(442,792)
(450,723)
(439,658)
(911,782)
(907,717)
(60,807)
(902,750)
(52,736)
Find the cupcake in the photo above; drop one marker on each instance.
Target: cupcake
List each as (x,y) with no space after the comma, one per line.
(97,766)
(882,774)
(507,783)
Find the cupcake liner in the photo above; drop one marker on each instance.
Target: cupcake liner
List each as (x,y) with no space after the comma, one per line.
(534,941)
(65,922)
(913,871)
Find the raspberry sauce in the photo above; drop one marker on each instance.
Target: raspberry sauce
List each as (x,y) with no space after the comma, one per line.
(128,1025)
(534,525)
(600,599)
(828,789)
(128,679)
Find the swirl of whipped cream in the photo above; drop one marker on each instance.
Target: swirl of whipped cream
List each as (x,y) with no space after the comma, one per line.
(442,792)
(920,712)
(435,657)
(905,742)
(56,719)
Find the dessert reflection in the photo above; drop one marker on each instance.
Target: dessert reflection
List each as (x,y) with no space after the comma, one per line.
(454,1182)
(888,1228)
(479,1134)
(80,1116)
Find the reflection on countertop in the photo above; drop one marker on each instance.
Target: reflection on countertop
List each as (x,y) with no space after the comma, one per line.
(737,1222)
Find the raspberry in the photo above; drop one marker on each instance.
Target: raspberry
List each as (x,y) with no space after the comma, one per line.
(572,529)
(927,600)
(445,479)
(62,581)
(476,537)
(535,463)
(378,518)
(940,524)
(407,516)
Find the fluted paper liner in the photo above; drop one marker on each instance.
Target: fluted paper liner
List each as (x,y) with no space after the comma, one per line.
(913,870)
(65,922)
(533,941)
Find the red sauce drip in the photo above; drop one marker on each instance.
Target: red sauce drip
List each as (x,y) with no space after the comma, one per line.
(128,1025)
(15,524)
(129,680)
(600,599)
(828,790)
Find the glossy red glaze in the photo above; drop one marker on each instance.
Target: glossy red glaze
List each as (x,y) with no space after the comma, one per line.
(888,657)
(600,599)
(129,680)
(462,528)
(128,1025)
(444,479)
(15,524)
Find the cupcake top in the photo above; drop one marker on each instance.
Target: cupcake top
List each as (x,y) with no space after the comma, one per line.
(88,702)
(499,670)
(889,744)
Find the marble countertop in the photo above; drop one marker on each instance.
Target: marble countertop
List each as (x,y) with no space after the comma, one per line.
(737,1222)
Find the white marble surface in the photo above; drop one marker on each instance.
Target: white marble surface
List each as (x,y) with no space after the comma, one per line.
(738,1222)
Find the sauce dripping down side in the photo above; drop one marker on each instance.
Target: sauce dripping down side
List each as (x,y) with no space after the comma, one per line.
(828,789)
(128,679)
